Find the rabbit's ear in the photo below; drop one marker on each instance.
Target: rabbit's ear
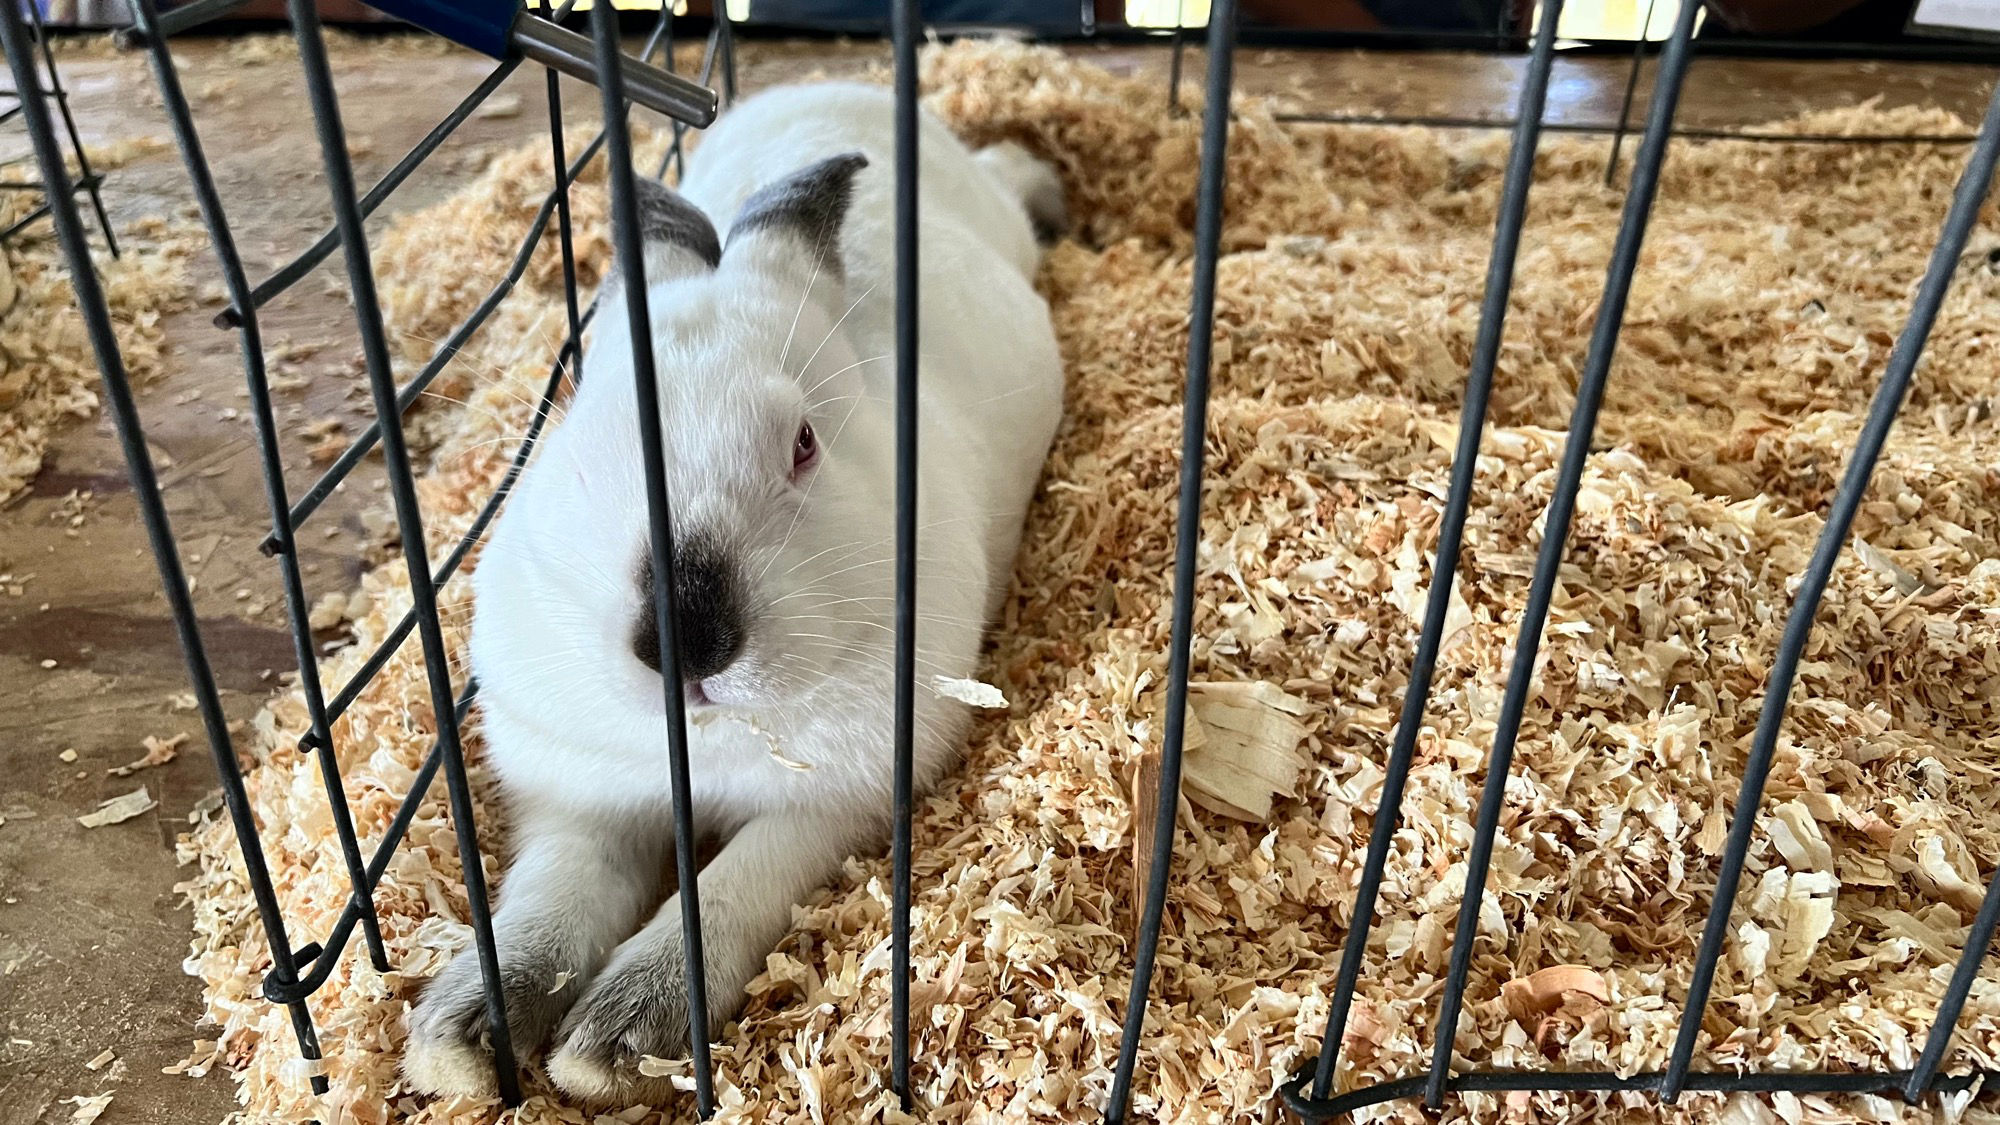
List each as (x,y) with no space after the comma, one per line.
(675,232)
(793,225)
(676,239)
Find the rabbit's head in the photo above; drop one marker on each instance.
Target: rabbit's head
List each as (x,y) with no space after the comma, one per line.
(778,476)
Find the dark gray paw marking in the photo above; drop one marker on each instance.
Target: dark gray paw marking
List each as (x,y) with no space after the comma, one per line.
(637,1008)
(450,1045)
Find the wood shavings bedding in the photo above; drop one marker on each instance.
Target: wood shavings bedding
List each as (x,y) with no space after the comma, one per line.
(47,370)
(1774,281)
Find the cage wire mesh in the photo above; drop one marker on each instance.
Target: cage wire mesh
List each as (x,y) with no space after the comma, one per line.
(299,969)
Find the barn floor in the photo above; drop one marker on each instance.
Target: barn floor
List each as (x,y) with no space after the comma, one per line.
(91,930)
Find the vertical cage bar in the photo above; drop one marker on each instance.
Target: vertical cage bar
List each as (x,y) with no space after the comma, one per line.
(904,34)
(1194,429)
(152,509)
(251,343)
(725,40)
(558,165)
(1444,567)
(665,31)
(91,181)
(1646,168)
(1631,88)
(631,265)
(1958,223)
(409,518)
(676,156)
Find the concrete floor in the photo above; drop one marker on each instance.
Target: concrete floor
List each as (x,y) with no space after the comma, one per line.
(91,930)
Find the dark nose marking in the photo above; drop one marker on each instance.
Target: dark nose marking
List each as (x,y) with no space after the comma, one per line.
(708,611)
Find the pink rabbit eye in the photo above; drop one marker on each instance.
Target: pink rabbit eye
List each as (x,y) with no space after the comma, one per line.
(805,448)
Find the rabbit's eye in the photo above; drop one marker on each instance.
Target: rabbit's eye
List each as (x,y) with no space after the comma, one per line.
(805,448)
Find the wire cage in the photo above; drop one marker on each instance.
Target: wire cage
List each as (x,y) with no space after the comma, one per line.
(298,969)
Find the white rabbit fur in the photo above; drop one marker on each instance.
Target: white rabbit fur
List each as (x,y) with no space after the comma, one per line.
(575,723)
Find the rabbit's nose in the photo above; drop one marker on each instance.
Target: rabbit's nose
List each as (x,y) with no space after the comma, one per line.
(708,613)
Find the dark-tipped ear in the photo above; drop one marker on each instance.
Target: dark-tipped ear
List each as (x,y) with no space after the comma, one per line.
(671,226)
(798,219)
(675,237)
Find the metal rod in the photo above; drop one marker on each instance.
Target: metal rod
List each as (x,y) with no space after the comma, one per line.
(905,30)
(676,155)
(1194,427)
(725,35)
(632,269)
(152,509)
(673,154)
(1631,88)
(662,37)
(1978,941)
(409,518)
(1728,1082)
(558,157)
(559,48)
(89,179)
(1958,223)
(78,185)
(176,20)
(1421,121)
(1646,169)
(250,341)
(1458,502)
(23,222)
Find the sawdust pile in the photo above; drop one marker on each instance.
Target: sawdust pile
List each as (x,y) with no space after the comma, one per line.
(1773,282)
(47,370)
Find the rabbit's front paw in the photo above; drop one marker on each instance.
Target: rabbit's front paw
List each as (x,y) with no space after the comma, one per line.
(637,1008)
(449,1050)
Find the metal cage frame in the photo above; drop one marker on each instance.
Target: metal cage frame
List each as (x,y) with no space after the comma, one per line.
(298,970)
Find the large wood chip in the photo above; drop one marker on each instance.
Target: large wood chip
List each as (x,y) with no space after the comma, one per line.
(1246,751)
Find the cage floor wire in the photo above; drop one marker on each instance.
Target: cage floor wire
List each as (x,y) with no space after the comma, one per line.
(1364,433)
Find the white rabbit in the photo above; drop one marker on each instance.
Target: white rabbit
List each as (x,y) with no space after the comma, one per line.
(776,380)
